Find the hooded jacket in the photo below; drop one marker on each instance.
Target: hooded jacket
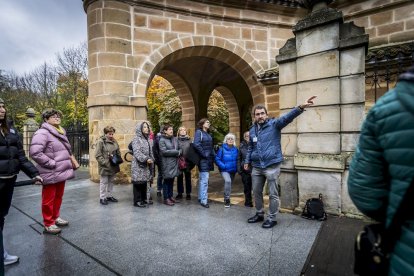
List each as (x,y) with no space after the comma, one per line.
(49,149)
(142,150)
(383,166)
(12,156)
(104,148)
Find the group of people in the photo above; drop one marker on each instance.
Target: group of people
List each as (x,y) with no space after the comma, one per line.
(380,173)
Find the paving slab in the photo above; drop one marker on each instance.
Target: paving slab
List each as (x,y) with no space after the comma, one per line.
(120,239)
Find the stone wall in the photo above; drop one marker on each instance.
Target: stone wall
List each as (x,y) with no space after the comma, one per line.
(129,41)
(385,21)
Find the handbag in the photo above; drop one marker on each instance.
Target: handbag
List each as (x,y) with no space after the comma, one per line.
(374,243)
(115,159)
(75,163)
(182,164)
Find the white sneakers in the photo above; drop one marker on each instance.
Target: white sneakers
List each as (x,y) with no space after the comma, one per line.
(52,229)
(9,259)
(61,222)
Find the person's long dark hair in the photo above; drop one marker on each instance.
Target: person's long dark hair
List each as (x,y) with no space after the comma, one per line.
(146,135)
(201,123)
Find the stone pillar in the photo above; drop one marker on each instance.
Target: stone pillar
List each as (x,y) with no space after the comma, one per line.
(327,59)
(29,128)
(113,100)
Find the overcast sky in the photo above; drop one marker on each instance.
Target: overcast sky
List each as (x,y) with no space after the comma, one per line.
(33,31)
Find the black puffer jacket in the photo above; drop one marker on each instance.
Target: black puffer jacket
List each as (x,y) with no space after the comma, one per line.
(12,156)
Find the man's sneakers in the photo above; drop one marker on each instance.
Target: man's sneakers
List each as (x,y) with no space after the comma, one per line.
(227,203)
(61,222)
(269,223)
(9,259)
(52,229)
(256,218)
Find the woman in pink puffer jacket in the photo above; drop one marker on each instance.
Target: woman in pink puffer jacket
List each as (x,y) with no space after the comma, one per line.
(51,150)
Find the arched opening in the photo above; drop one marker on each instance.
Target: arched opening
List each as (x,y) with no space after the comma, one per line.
(196,71)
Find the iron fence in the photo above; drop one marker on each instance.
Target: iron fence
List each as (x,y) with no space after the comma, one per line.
(384,65)
(78,137)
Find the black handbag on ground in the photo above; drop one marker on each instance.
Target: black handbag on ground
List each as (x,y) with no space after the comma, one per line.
(314,209)
(374,243)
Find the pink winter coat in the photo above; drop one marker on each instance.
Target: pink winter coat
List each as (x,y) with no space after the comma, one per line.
(49,152)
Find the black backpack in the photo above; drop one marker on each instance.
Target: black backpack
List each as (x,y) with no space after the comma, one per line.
(314,209)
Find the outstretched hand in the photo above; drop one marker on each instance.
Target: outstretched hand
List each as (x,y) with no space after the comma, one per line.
(308,102)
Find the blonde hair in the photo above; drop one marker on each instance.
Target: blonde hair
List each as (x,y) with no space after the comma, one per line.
(229,135)
(180,128)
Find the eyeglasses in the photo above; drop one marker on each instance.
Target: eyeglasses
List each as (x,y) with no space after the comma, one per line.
(55,117)
(230,139)
(261,113)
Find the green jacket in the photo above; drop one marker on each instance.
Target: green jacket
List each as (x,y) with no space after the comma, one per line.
(383,167)
(105,147)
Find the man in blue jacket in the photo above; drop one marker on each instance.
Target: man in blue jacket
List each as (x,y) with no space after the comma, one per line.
(265,156)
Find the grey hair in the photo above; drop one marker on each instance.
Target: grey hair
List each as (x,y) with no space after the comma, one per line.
(230,135)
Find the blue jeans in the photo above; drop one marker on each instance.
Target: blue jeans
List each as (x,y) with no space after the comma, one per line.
(203,187)
(167,188)
(228,180)
(259,177)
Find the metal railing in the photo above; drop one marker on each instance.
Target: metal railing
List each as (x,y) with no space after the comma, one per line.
(384,65)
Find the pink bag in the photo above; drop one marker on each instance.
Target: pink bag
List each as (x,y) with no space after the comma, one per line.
(182,164)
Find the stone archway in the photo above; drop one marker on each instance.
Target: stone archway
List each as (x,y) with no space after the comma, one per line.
(195,66)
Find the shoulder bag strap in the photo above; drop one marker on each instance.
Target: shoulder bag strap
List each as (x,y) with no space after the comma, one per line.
(70,152)
(403,212)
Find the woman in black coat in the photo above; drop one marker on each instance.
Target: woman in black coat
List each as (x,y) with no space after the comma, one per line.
(12,160)
(184,143)
(203,144)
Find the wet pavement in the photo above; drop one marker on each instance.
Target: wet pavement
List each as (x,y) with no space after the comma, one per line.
(120,239)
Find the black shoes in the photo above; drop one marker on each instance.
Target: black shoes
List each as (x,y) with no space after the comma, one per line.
(248,204)
(255,218)
(112,199)
(188,197)
(269,223)
(159,194)
(205,205)
(227,203)
(179,196)
(103,201)
(140,204)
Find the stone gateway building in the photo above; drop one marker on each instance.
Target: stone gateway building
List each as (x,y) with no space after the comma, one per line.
(251,51)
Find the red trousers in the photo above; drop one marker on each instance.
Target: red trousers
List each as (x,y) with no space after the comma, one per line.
(52,195)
